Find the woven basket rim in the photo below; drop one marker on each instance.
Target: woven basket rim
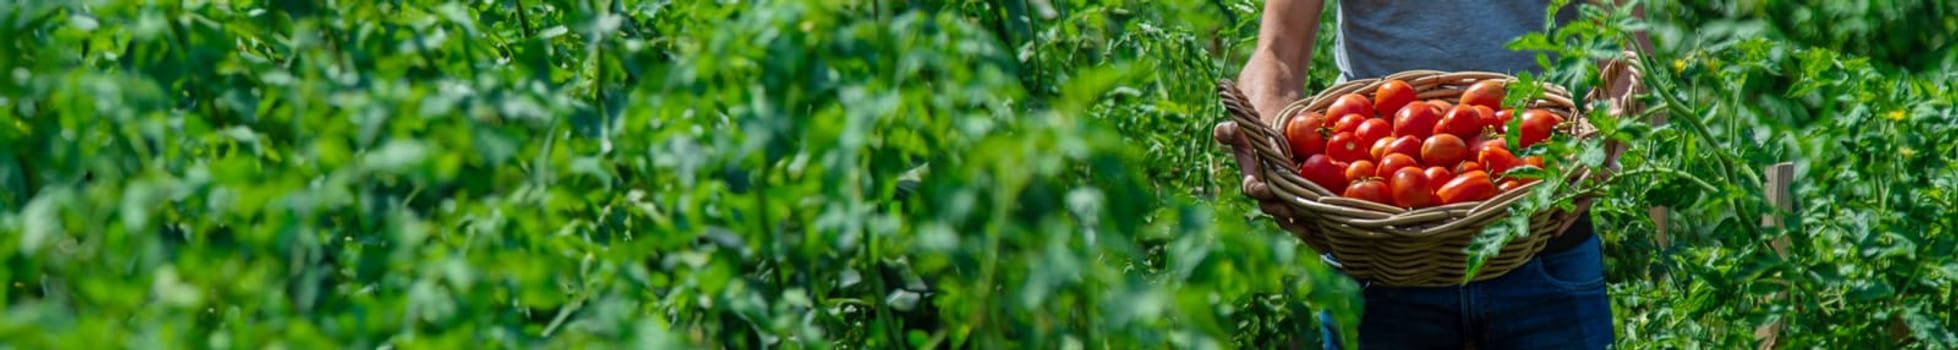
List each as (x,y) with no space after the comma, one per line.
(1383,233)
(1395,221)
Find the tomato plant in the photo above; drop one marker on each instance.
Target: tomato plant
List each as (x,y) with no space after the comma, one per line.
(951,174)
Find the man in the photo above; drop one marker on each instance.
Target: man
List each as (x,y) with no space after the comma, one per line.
(1555,301)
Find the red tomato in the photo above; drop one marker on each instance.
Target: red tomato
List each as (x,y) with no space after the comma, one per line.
(1536,127)
(1444,149)
(1303,133)
(1439,175)
(1410,188)
(1348,123)
(1373,130)
(1345,147)
(1463,122)
(1351,104)
(1394,162)
(1503,116)
(1498,160)
(1534,160)
(1468,166)
(1379,148)
(1417,122)
(1484,93)
(1369,190)
(1482,142)
(1467,187)
(1408,145)
(1508,185)
(1359,169)
(1321,170)
(1391,96)
(1441,104)
(1486,117)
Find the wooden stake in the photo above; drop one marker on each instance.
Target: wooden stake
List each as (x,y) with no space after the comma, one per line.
(1778,177)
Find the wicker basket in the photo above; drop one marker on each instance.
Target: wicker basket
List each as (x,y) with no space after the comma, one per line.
(1393,246)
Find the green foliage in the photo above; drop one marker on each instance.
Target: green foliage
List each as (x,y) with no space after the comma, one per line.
(517,174)
(1872,234)
(1920,35)
(861,174)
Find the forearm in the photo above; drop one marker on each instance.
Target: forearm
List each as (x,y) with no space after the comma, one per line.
(1622,81)
(1279,63)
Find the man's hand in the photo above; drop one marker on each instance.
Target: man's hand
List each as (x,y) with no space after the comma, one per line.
(1624,83)
(1272,79)
(1622,86)
(1247,164)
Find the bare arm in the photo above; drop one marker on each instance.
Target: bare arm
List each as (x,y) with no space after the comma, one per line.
(1626,82)
(1272,79)
(1277,70)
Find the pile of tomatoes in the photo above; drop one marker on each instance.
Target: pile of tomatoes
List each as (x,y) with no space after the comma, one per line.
(1394,150)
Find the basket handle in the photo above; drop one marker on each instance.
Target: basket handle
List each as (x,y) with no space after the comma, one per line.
(1273,153)
(1243,111)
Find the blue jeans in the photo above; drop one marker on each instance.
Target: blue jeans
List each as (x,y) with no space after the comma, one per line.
(1554,301)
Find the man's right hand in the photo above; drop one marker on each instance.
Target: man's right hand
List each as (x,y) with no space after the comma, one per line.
(1253,186)
(1272,79)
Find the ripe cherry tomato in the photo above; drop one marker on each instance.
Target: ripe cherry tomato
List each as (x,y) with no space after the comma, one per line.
(1468,166)
(1369,190)
(1534,160)
(1467,187)
(1442,105)
(1536,127)
(1373,129)
(1410,188)
(1498,160)
(1391,96)
(1351,104)
(1507,185)
(1304,134)
(1348,123)
(1345,147)
(1439,175)
(1321,170)
(1503,116)
(1484,93)
(1463,122)
(1486,117)
(1444,149)
(1408,145)
(1359,169)
(1485,141)
(1394,162)
(1416,121)
(1379,148)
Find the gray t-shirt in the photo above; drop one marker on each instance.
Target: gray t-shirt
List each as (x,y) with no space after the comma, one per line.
(1381,37)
